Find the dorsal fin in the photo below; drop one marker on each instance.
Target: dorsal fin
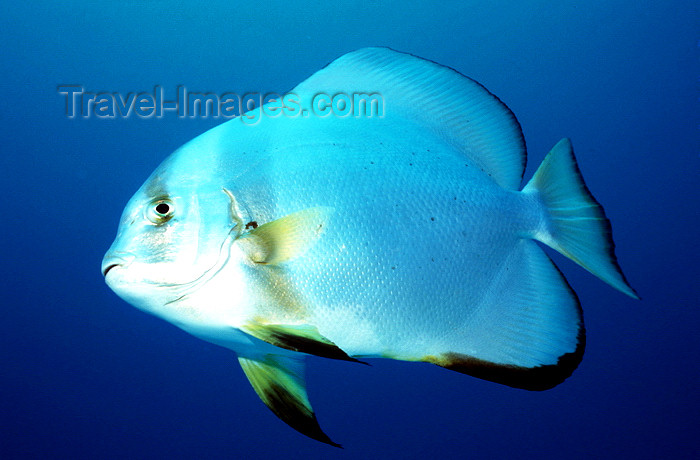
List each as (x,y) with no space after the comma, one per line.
(454,107)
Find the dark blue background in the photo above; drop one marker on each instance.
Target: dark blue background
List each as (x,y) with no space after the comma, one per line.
(84,375)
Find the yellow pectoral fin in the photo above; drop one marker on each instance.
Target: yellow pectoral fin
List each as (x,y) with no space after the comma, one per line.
(279,382)
(285,238)
(302,338)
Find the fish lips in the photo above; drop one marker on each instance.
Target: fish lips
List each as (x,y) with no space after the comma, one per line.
(114,260)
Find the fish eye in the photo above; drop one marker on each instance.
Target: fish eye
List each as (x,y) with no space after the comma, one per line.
(160,210)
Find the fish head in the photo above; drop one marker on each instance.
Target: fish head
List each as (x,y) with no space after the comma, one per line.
(172,234)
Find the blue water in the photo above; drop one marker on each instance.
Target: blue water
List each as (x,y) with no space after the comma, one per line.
(84,375)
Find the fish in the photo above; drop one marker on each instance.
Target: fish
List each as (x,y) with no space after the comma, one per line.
(398,230)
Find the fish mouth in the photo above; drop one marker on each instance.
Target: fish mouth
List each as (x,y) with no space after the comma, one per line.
(109,267)
(116,259)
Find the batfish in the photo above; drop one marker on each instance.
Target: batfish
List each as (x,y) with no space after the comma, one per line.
(400,232)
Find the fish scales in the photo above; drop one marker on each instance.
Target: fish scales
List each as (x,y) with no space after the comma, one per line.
(402,235)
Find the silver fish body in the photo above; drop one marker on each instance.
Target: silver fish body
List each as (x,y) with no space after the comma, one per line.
(402,235)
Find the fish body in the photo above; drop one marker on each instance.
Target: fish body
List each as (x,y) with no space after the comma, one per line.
(401,235)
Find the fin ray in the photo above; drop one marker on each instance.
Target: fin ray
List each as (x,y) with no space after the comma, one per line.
(279,382)
(527,333)
(578,227)
(285,238)
(457,109)
(299,338)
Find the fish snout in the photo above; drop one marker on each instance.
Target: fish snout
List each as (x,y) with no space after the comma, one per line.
(116,259)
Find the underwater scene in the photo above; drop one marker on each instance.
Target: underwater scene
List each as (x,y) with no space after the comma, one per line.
(361,230)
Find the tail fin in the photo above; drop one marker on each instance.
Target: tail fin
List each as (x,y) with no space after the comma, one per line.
(577,226)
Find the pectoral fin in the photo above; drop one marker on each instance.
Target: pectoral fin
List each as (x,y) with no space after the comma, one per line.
(279,381)
(285,238)
(302,338)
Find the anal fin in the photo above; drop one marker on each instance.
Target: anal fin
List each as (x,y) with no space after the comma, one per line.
(528,331)
(279,382)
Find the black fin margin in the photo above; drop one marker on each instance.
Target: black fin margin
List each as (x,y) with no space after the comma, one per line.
(299,338)
(538,378)
(292,412)
(279,382)
(310,346)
